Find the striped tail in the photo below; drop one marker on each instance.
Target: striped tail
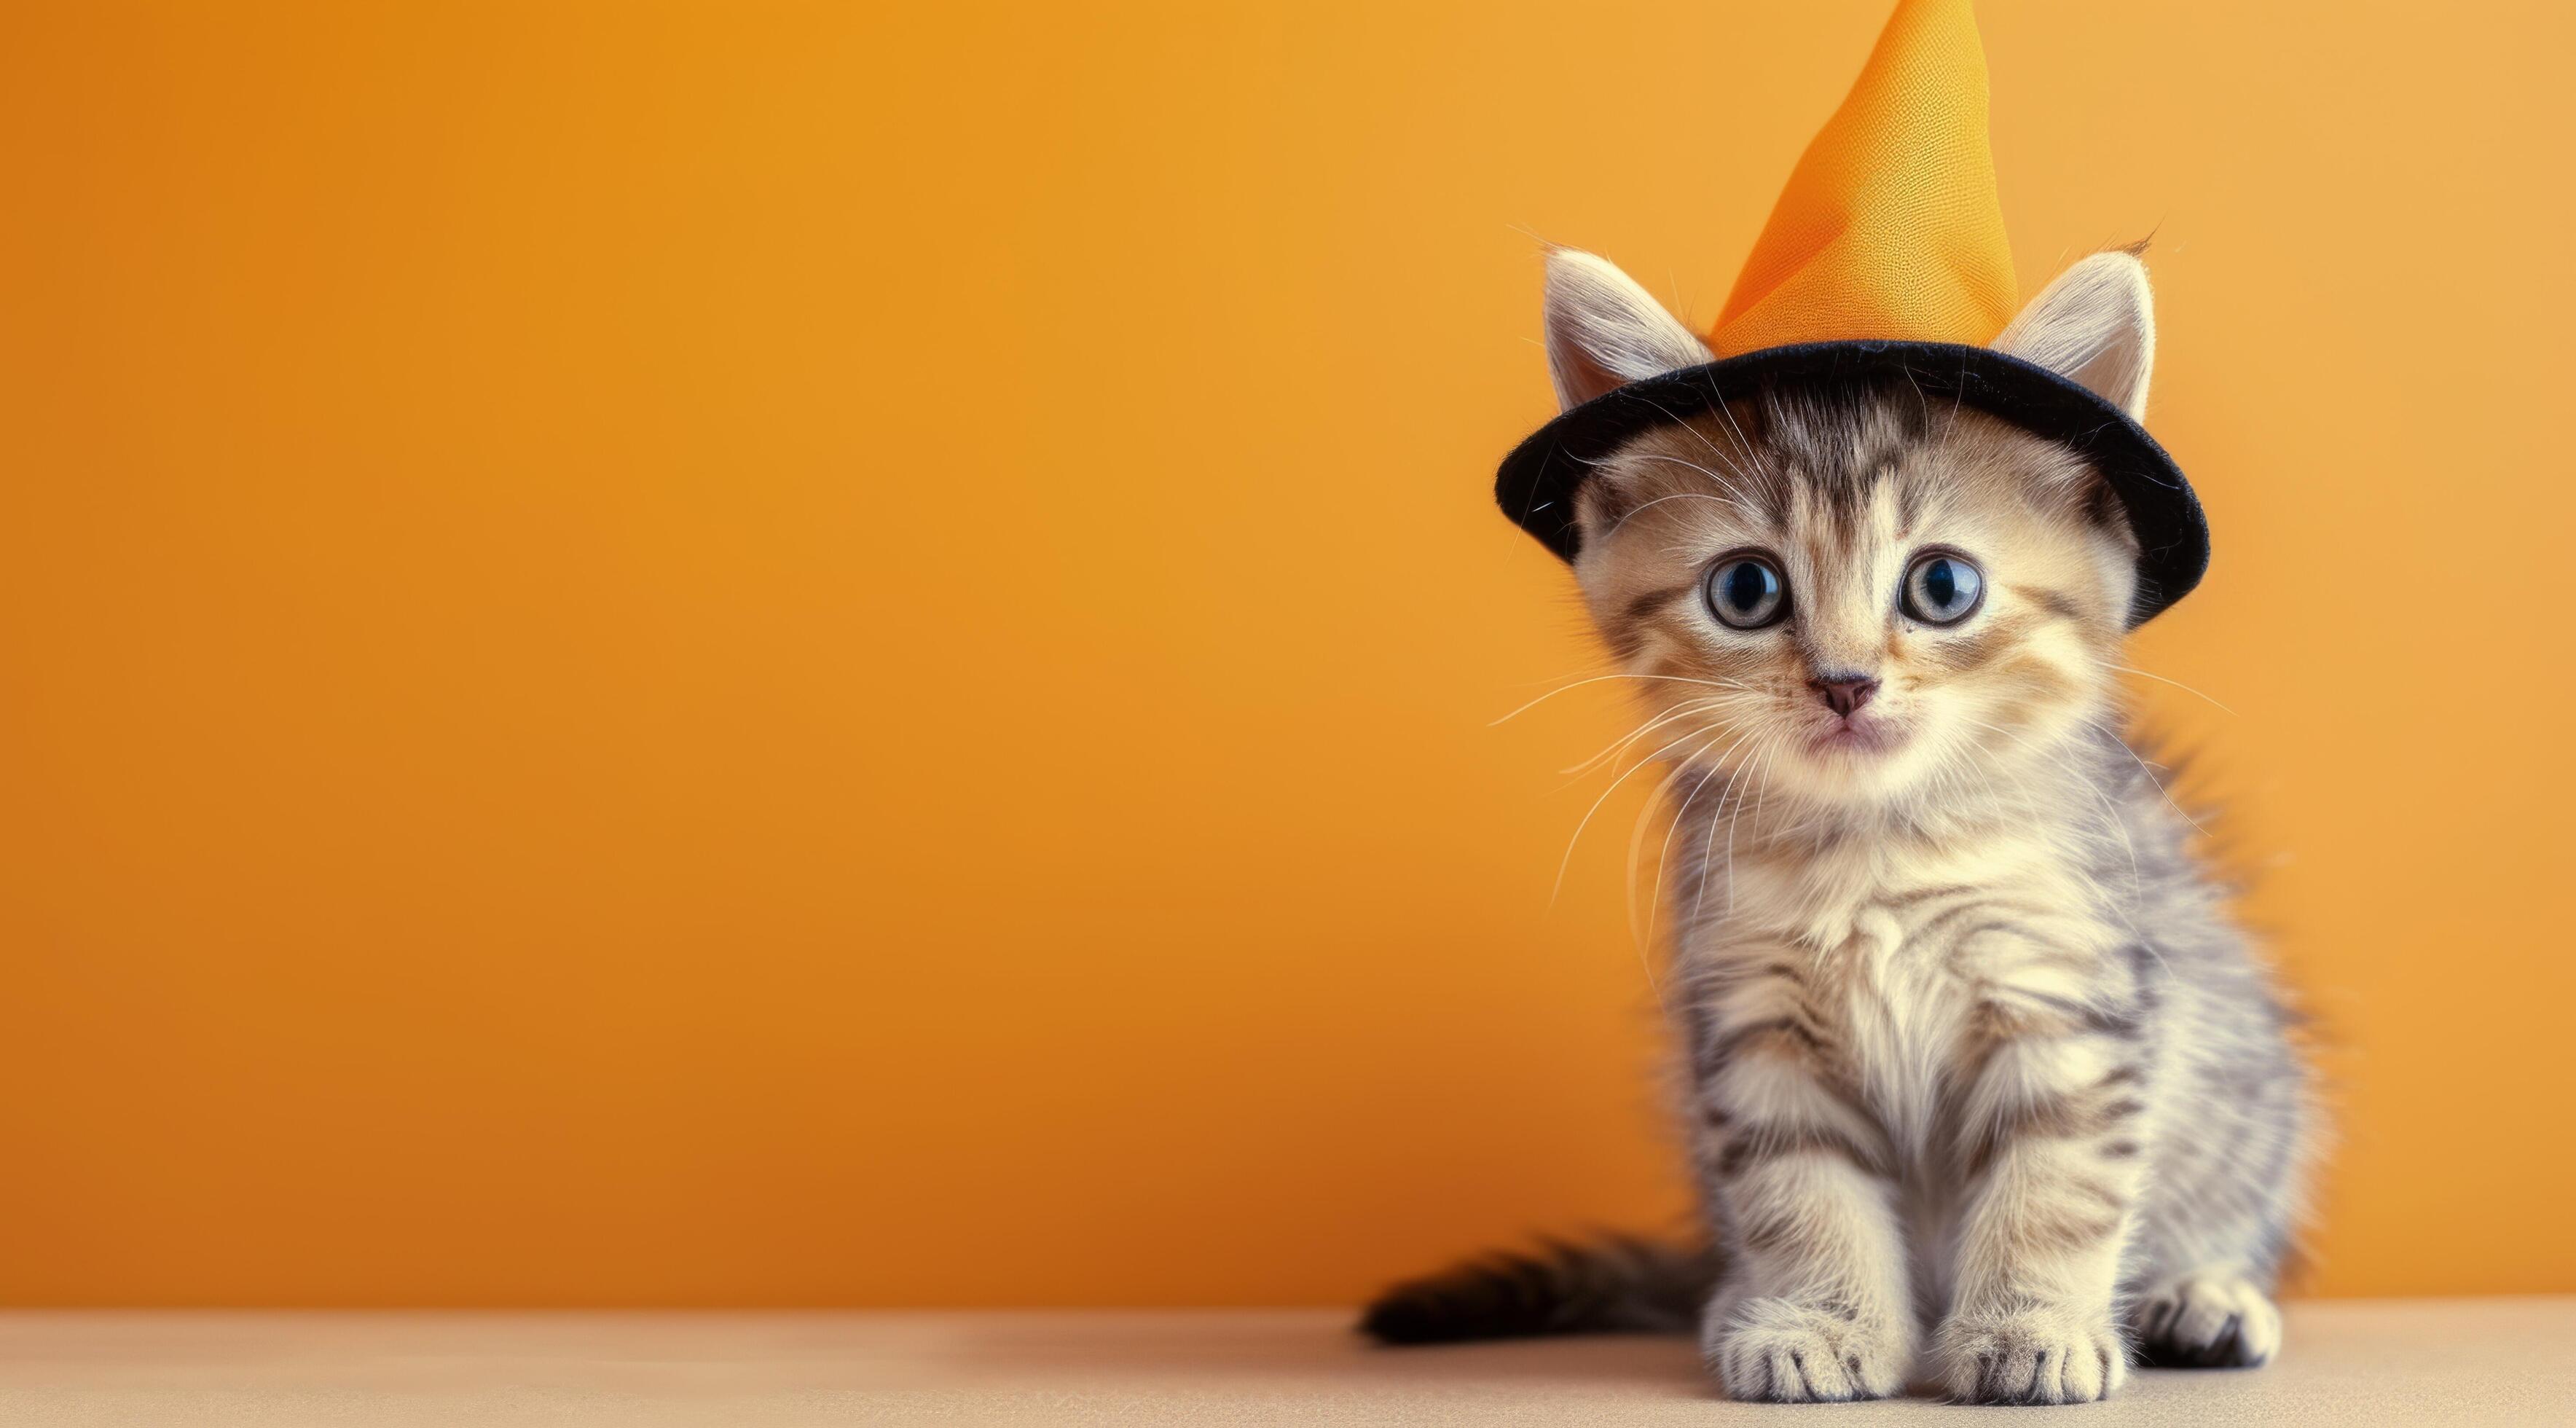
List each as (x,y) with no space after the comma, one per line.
(1606,1286)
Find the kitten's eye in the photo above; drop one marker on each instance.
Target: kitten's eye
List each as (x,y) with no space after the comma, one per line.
(1746,592)
(1942,588)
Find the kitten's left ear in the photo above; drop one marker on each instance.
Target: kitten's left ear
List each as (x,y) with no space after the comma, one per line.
(2095,325)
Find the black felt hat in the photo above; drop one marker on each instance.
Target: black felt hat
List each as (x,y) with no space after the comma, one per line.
(1537,482)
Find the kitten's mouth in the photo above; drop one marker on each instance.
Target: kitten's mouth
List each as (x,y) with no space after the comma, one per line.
(1856,734)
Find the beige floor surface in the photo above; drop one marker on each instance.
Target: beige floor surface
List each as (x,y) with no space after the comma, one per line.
(2497,1361)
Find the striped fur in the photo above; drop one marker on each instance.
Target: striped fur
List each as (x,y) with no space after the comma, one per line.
(1982,1083)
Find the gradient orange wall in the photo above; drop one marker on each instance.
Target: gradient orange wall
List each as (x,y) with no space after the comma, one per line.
(761,654)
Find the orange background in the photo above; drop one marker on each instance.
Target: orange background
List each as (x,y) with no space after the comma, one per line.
(757,654)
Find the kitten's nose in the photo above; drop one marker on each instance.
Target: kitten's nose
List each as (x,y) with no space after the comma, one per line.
(1844,693)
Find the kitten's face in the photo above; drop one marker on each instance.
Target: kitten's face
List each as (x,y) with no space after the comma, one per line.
(1855,600)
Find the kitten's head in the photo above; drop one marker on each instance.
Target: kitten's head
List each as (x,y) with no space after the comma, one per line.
(1856,595)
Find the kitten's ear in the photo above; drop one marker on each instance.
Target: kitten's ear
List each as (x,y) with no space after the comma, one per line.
(2095,325)
(1604,331)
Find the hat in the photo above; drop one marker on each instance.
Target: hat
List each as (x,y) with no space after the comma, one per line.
(1884,257)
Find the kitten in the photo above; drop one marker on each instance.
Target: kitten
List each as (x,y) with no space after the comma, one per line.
(1982,1084)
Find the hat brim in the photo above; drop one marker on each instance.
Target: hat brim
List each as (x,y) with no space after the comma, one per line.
(1537,483)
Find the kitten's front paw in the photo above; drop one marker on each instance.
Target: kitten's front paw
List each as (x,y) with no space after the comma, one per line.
(2031,1355)
(1780,1351)
(2207,1319)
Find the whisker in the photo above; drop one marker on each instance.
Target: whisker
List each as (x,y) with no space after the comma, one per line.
(1761,756)
(2160,679)
(1636,845)
(1740,500)
(1568,860)
(1596,679)
(2150,775)
(1708,845)
(1703,704)
(1659,500)
(1663,857)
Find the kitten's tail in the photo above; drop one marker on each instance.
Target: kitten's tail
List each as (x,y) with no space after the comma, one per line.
(1612,1285)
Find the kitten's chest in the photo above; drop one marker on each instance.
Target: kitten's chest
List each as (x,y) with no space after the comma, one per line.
(1895,953)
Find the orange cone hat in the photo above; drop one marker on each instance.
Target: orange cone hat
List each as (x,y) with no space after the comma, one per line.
(1884,260)
(1889,227)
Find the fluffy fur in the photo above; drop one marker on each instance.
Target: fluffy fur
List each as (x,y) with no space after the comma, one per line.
(1983,1085)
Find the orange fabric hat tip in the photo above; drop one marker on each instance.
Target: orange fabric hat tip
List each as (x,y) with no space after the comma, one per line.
(1889,227)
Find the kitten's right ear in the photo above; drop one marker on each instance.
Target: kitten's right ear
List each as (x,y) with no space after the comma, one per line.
(1604,331)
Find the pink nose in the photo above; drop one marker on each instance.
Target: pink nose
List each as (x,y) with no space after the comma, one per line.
(1844,694)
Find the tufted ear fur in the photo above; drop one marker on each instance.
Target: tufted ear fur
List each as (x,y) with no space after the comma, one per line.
(2096,324)
(1604,331)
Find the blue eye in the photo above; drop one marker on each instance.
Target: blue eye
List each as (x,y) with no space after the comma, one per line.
(1746,592)
(1943,587)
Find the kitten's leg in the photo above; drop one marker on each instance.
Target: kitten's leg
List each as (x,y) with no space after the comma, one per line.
(2052,1155)
(1814,1306)
(2212,1317)
(2225,1176)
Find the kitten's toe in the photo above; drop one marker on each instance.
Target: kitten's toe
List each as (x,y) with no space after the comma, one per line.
(2033,1354)
(2206,1319)
(1779,1351)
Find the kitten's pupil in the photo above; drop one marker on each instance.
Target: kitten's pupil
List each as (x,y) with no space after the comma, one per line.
(1942,584)
(1746,585)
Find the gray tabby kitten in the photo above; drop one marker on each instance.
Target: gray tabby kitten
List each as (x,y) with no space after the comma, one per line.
(1983,1086)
